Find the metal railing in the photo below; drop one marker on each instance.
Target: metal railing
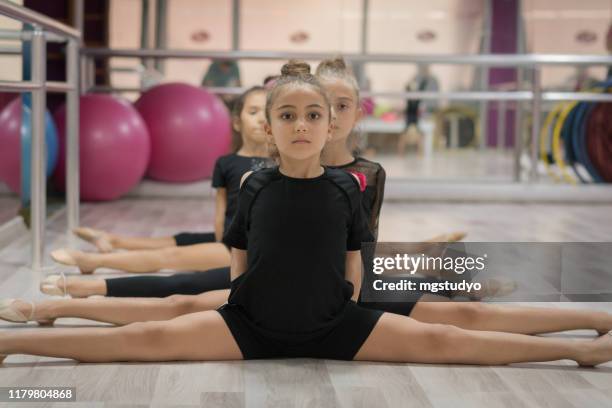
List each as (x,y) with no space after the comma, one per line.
(534,62)
(46,29)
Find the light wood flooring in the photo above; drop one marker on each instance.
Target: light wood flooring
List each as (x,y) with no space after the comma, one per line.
(317,383)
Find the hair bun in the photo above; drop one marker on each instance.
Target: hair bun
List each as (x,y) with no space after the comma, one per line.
(336,63)
(333,66)
(295,68)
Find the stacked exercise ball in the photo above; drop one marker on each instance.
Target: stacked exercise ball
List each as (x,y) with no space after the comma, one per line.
(578,135)
(189,129)
(15,129)
(114,147)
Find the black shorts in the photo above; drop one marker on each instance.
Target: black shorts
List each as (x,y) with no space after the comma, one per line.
(193,238)
(340,342)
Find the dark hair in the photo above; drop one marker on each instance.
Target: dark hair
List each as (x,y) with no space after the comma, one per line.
(237,107)
(295,72)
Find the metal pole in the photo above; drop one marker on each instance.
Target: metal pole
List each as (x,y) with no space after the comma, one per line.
(160,31)
(518,130)
(72,135)
(359,66)
(483,108)
(83,76)
(77,17)
(38,203)
(501,125)
(536,108)
(518,106)
(236,25)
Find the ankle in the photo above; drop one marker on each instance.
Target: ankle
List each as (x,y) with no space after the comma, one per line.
(582,353)
(44,311)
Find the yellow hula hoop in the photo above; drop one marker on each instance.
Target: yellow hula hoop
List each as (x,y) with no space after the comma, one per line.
(556,142)
(544,140)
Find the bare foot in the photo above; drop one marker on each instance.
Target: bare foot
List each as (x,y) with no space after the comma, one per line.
(494,288)
(599,351)
(73,257)
(450,237)
(455,236)
(101,239)
(604,323)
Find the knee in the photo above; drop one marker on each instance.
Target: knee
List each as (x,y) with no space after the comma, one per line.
(443,337)
(472,312)
(144,334)
(180,304)
(170,252)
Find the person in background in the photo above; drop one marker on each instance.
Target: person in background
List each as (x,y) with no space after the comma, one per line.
(424,81)
(223,73)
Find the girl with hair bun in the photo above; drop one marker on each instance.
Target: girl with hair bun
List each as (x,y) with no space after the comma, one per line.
(296,269)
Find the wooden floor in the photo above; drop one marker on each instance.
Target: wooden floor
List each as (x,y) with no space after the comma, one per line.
(312,383)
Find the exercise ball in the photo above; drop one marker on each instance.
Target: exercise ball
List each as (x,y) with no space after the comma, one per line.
(189,127)
(15,126)
(114,147)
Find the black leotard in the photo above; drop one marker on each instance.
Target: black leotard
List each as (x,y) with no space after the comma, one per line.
(227,174)
(294,292)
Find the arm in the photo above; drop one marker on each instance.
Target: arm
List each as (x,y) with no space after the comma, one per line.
(238,263)
(353,271)
(220,207)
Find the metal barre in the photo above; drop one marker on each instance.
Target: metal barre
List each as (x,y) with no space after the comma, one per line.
(28,16)
(38,87)
(502,60)
(457,96)
(25,35)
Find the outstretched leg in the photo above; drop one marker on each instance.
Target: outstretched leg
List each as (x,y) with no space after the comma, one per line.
(510,319)
(197,336)
(106,241)
(398,338)
(185,258)
(121,311)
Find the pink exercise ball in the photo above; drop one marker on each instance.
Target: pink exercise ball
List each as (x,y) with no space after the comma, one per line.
(114,147)
(189,127)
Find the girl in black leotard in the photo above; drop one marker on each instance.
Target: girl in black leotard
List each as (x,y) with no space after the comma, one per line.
(338,153)
(296,271)
(252,154)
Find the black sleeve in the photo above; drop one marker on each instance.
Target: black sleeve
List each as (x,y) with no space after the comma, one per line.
(218,178)
(359,230)
(236,236)
(381,176)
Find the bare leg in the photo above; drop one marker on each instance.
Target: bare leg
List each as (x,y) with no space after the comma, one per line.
(402,339)
(121,311)
(80,287)
(184,258)
(511,319)
(197,336)
(106,242)
(136,243)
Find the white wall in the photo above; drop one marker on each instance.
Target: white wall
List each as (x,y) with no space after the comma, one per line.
(551,27)
(334,26)
(10,66)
